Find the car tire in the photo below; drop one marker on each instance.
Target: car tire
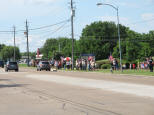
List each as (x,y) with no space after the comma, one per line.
(16,70)
(6,70)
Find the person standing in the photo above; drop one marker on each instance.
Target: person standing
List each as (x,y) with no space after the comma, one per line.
(114,64)
(64,64)
(151,64)
(134,66)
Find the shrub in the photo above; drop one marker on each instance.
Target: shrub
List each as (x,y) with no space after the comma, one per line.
(106,66)
(102,62)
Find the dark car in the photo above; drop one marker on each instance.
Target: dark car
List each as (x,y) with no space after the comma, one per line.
(43,65)
(11,66)
(2,64)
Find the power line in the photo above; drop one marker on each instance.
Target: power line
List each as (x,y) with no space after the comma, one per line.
(50,31)
(50,25)
(42,27)
(46,26)
(61,27)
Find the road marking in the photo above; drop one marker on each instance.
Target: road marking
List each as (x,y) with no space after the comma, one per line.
(128,88)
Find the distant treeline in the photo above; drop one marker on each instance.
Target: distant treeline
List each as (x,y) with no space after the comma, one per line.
(101,39)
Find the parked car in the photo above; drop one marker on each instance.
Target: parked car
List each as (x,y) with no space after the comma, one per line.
(2,64)
(11,66)
(43,65)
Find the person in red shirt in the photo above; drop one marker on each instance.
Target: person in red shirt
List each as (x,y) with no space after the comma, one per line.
(133,66)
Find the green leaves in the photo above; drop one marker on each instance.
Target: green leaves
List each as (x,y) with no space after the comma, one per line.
(101,39)
(7,53)
(57,47)
(98,38)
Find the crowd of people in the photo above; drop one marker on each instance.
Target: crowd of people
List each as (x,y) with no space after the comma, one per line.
(85,64)
(90,64)
(80,64)
(147,64)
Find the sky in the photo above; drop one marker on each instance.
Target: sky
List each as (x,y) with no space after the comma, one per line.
(138,15)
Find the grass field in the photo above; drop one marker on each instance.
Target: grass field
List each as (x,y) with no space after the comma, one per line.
(25,65)
(127,71)
(133,72)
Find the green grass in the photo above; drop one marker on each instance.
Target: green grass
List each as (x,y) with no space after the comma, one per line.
(132,72)
(25,65)
(128,71)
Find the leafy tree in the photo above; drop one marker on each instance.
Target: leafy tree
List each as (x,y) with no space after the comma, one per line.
(52,46)
(7,53)
(1,47)
(100,38)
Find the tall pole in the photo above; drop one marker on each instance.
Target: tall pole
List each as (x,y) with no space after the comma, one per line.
(27,43)
(72,30)
(59,47)
(119,38)
(116,8)
(14,32)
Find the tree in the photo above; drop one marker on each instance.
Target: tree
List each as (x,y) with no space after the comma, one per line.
(1,47)
(100,38)
(7,53)
(135,46)
(52,46)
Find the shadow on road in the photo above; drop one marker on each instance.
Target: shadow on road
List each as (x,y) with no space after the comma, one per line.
(12,85)
(4,79)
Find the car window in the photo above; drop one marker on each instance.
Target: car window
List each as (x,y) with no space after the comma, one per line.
(1,62)
(45,62)
(13,63)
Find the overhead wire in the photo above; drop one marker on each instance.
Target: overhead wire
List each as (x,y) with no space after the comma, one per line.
(42,27)
(50,25)
(61,27)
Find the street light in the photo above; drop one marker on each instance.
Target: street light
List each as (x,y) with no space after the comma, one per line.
(116,8)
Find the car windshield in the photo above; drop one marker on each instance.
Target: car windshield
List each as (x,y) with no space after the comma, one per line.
(13,63)
(45,62)
(1,62)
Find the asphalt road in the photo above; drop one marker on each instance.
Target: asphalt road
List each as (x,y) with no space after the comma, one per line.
(29,92)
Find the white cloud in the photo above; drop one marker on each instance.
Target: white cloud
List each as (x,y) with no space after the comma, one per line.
(147,16)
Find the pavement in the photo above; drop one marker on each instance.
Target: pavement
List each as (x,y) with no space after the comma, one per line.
(29,92)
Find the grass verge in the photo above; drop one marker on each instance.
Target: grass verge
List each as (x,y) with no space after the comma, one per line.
(131,72)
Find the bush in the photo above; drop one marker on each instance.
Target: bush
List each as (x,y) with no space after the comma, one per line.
(102,62)
(106,66)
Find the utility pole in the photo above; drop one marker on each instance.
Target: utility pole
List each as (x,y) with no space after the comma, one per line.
(59,47)
(14,33)
(72,30)
(119,39)
(27,43)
